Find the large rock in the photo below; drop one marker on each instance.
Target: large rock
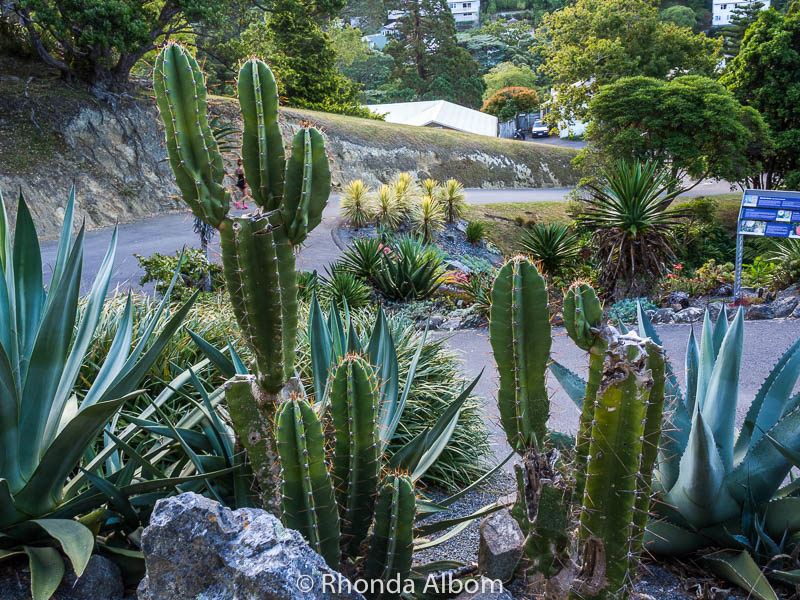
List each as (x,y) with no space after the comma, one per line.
(680,298)
(792,290)
(101,580)
(689,315)
(662,316)
(196,548)
(759,312)
(783,307)
(501,546)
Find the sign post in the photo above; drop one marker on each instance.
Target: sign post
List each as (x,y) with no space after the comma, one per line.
(765,213)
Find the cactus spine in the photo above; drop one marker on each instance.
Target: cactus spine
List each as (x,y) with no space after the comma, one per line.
(392,541)
(354,412)
(257,250)
(519,329)
(308,501)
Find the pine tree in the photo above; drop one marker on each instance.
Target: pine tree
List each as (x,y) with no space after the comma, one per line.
(741,18)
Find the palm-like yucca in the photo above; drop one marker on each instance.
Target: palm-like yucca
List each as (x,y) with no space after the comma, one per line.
(355,203)
(630,215)
(551,243)
(428,217)
(453,198)
(430,187)
(386,210)
(405,191)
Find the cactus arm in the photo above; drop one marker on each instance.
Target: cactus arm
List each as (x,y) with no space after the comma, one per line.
(287,276)
(354,410)
(193,152)
(256,435)
(308,184)
(519,331)
(391,545)
(262,144)
(307,492)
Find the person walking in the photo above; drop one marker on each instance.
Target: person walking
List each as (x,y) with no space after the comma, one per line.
(241,184)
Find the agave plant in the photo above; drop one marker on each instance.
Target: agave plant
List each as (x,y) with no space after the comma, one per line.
(355,203)
(364,258)
(340,286)
(413,270)
(48,471)
(553,244)
(453,199)
(632,222)
(427,218)
(386,209)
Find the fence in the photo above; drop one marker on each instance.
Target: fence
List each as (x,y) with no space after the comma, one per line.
(522,121)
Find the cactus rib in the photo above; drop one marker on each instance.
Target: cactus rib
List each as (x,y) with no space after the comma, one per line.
(391,545)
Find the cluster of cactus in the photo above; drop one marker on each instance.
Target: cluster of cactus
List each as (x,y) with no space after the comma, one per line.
(257,249)
(607,501)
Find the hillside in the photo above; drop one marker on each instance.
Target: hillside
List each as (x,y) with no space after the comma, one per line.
(53,136)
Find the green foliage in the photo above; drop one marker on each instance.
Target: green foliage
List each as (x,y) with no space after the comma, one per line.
(626,311)
(553,244)
(412,270)
(702,237)
(508,102)
(741,18)
(342,286)
(632,39)
(386,209)
(475,232)
(691,125)
(787,254)
(363,257)
(632,223)
(759,273)
(427,217)
(478,288)
(682,16)
(355,203)
(766,75)
(306,284)
(195,273)
(507,75)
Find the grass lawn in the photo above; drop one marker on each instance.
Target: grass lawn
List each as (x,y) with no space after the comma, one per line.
(504,232)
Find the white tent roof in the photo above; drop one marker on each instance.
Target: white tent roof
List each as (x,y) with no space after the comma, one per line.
(438,112)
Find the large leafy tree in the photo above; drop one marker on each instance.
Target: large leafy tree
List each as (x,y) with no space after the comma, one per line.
(595,42)
(99,41)
(511,101)
(692,126)
(508,75)
(741,18)
(429,61)
(766,75)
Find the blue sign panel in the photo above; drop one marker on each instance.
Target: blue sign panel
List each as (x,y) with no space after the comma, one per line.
(770,213)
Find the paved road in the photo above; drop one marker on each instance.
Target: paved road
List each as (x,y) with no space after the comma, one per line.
(168,233)
(765,341)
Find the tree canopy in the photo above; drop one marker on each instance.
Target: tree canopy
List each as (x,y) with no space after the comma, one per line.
(766,75)
(595,42)
(691,124)
(507,75)
(511,101)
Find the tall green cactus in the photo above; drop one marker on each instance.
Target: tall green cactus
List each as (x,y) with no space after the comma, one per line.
(257,250)
(354,411)
(583,317)
(392,542)
(519,329)
(308,501)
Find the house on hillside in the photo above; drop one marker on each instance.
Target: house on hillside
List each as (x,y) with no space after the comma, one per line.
(723,9)
(466,12)
(440,114)
(376,41)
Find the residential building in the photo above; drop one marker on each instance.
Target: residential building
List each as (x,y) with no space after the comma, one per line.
(376,41)
(438,113)
(723,10)
(466,12)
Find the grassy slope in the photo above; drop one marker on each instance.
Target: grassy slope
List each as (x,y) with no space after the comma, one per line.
(502,230)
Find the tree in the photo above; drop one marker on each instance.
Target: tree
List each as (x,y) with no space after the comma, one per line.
(99,42)
(595,42)
(741,18)
(428,60)
(499,41)
(511,101)
(766,75)
(507,75)
(682,16)
(690,125)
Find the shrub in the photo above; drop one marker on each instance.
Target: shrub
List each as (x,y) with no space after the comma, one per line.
(340,286)
(386,209)
(197,273)
(511,101)
(760,273)
(711,275)
(454,199)
(475,233)
(626,310)
(405,191)
(363,258)
(553,244)
(412,271)
(430,187)
(355,205)
(427,217)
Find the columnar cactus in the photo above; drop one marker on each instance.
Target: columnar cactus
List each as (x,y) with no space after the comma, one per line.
(519,329)
(258,249)
(392,542)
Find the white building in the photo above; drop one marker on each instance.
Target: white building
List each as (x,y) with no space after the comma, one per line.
(438,113)
(723,10)
(466,12)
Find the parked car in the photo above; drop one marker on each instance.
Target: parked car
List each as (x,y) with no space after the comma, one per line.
(540,129)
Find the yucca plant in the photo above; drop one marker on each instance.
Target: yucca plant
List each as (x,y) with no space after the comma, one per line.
(412,271)
(430,187)
(475,232)
(386,209)
(364,258)
(453,199)
(355,203)
(405,191)
(632,223)
(343,287)
(48,472)
(427,217)
(553,244)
